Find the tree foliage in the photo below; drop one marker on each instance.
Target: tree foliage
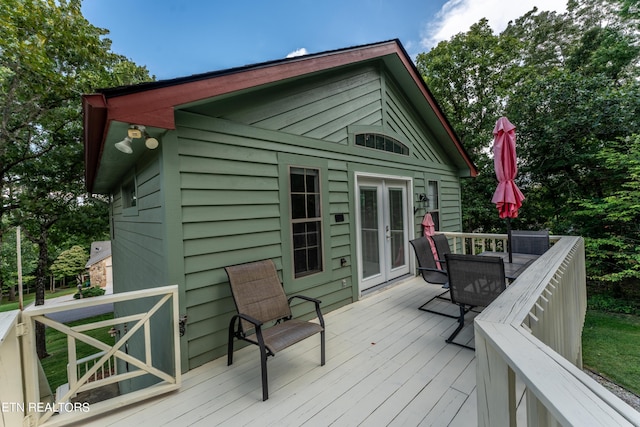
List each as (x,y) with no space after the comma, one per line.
(49,56)
(71,262)
(571,85)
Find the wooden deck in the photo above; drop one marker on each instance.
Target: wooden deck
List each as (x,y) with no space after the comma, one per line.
(387,364)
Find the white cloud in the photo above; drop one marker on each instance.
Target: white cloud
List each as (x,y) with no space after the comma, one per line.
(299,52)
(457,16)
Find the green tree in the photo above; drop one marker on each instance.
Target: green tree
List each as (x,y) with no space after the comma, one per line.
(9,259)
(71,262)
(570,84)
(469,76)
(613,221)
(49,56)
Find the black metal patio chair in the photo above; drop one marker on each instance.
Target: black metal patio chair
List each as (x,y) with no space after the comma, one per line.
(260,301)
(529,242)
(474,281)
(430,272)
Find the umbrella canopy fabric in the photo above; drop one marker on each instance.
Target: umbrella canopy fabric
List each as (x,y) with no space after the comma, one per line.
(429,228)
(507,197)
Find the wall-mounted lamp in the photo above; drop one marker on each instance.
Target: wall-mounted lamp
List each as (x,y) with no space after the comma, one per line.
(136,132)
(125,145)
(421,199)
(150,142)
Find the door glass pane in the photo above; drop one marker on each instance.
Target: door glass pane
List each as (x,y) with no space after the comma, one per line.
(396,219)
(369,231)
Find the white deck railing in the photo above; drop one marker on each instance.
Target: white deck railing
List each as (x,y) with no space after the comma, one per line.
(42,415)
(533,332)
(82,366)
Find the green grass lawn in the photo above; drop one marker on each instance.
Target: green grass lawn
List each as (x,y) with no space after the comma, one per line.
(6,305)
(611,347)
(55,366)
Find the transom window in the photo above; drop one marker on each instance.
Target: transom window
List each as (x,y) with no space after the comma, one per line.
(306,220)
(382,143)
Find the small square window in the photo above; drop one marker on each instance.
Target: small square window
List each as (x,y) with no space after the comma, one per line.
(129,197)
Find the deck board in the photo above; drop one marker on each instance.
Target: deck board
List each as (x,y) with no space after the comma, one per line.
(387,364)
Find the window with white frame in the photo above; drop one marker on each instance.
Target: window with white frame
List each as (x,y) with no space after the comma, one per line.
(381,142)
(306,220)
(433,206)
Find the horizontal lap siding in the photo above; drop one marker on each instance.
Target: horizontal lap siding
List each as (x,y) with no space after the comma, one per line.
(228,163)
(404,122)
(139,262)
(231,214)
(138,238)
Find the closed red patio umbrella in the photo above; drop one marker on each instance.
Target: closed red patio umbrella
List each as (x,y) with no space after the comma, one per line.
(507,197)
(429,230)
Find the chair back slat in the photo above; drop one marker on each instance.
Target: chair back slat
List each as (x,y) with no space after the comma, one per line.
(442,245)
(475,280)
(257,291)
(423,252)
(530,242)
(425,258)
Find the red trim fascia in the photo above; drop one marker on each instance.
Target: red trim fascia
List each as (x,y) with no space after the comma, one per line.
(155,107)
(94,109)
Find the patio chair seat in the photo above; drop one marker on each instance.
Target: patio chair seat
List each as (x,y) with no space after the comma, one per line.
(285,334)
(261,301)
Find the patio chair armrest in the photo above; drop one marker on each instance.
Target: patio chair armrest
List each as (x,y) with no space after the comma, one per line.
(248,318)
(431,269)
(313,300)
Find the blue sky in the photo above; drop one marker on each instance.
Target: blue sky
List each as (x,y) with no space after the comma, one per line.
(178,38)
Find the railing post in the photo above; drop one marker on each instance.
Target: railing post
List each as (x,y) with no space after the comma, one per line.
(495,389)
(72,365)
(11,392)
(30,368)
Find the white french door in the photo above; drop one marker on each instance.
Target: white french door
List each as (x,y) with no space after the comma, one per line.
(383,230)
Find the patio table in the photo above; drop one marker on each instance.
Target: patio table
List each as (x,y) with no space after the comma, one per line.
(519,263)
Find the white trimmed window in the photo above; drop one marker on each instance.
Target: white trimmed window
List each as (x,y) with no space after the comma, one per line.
(306,220)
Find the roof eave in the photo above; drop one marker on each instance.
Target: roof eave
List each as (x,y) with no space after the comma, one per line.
(152,104)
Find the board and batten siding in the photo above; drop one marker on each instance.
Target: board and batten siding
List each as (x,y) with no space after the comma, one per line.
(232,160)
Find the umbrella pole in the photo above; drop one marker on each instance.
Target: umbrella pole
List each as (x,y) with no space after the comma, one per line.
(509,239)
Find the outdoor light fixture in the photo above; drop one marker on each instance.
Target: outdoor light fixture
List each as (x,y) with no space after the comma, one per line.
(136,132)
(422,199)
(150,142)
(125,145)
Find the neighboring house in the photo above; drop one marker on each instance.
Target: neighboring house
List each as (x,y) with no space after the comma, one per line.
(320,162)
(99,264)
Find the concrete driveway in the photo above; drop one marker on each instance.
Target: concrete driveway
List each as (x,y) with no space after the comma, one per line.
(80,313)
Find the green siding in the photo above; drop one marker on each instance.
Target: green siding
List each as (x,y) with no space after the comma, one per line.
(225,185)
(139,261)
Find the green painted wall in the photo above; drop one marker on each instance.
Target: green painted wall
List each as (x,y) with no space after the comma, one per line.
(139,262)
(216,193)
(232,164)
